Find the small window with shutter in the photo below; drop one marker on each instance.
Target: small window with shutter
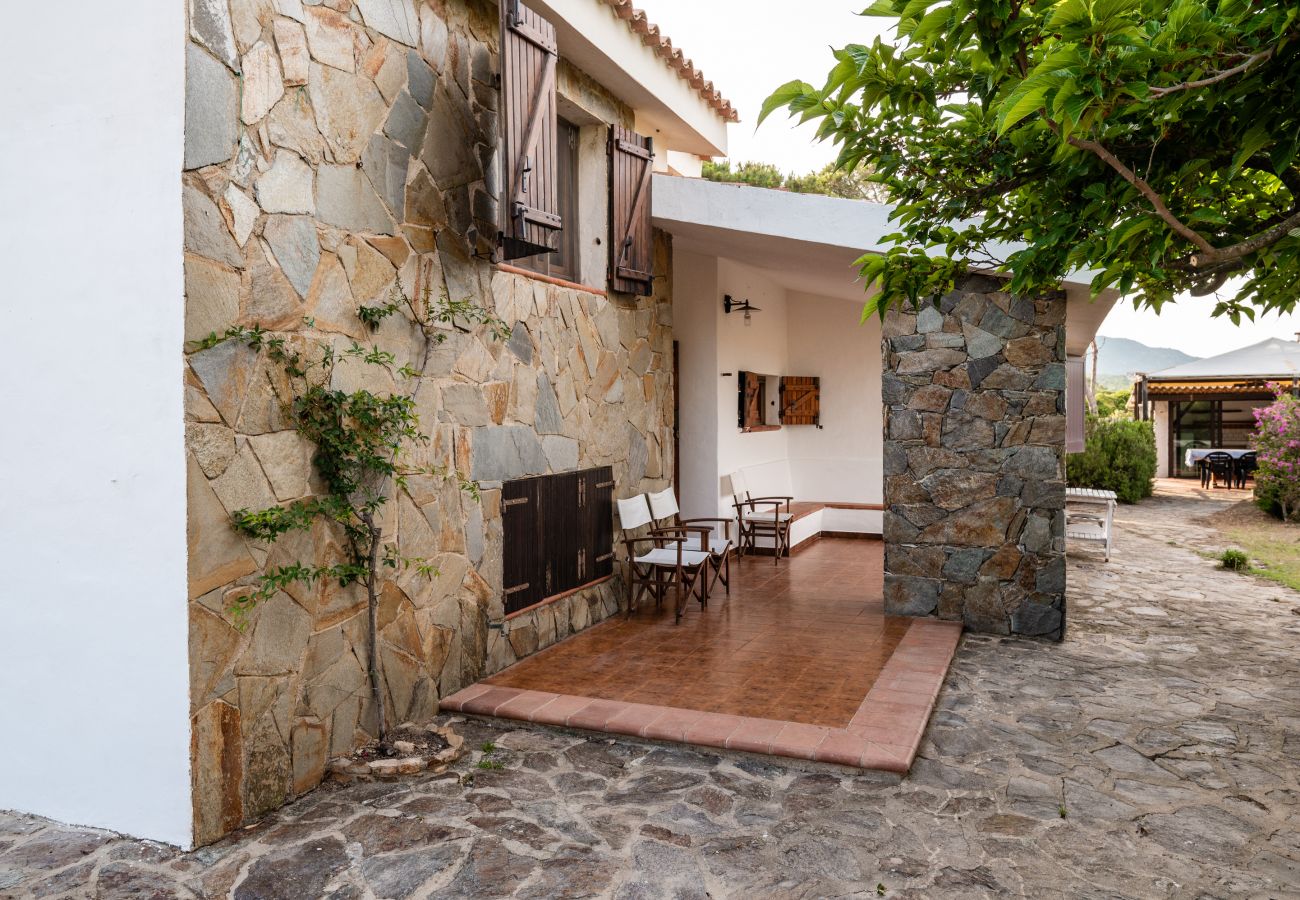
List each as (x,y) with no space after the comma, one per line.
(557,535)
(530,207)
(631,252)
(801,401)
(564,262)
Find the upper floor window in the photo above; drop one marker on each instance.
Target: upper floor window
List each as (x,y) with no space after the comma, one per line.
(564,261)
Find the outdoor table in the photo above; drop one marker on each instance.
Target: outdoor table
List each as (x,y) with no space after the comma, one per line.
(1090,526)
(1195,454)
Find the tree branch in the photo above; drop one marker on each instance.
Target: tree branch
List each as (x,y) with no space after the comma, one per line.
(1145,190)
(1250,245)
(1216,78)
(1209,254)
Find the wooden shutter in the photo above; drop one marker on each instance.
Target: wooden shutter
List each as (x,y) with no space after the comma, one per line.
(631,253)
(558,534)
(531,201)
(598,524)
(800,400)
(523,564)
(561,532)
(751,400)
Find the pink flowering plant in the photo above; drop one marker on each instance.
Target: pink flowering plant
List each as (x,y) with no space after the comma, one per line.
(1276,442)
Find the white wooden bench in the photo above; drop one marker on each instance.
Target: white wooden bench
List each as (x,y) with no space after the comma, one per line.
(1090,516)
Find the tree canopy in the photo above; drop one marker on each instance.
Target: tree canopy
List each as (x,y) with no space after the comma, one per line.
(831,180)
(1152,142)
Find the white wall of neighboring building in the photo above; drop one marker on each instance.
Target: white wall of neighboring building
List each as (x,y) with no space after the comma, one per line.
(792,334)
(1160,419)
(94,675)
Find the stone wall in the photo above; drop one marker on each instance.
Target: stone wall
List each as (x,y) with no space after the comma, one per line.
(974,392)
(333,151)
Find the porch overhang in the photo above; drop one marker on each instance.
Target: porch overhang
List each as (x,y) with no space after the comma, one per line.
(1183,387)
(808,242)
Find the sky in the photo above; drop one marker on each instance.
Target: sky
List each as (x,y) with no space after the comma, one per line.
(750,49)
(1188,326)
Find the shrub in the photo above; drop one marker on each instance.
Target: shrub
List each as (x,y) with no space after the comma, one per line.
(1234,560)
(1119,455)
(1276,442)
(1112,404)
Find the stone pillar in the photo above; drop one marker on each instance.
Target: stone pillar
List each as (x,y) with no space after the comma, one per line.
(974,460)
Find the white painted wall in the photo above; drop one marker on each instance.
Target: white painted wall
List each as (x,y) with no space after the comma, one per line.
(843,459)
(593,205)
(695,329)
(760,347)
(94,677)
(792,334)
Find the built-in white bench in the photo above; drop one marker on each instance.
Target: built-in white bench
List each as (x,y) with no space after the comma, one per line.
(852,514)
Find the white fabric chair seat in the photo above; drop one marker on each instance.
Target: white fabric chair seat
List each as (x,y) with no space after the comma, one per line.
(667,556)
(717,545)
(756,516)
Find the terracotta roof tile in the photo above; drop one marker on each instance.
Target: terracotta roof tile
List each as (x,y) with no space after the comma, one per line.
(638,23)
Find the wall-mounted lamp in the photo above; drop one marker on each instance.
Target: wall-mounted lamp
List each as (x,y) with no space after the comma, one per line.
(730,305)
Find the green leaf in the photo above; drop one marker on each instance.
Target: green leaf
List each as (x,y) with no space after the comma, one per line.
(1020,105)
(1067,13)
(881,8)
(784,96)
(1255,140)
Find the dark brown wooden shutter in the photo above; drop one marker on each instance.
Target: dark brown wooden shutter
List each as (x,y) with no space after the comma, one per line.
(598,524)
(561,531)
(800,400)
(523,564)
(531,202)
(558,534)
(631,253)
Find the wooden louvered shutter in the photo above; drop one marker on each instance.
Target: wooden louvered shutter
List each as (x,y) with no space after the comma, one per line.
(751,400)
(531,200)
(800,400)
(598,524)
(524,572)
(561,532)
(631,253)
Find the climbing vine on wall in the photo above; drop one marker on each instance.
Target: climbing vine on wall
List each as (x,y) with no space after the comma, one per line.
(363,442)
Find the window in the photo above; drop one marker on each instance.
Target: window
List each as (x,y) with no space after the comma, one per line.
(564,262)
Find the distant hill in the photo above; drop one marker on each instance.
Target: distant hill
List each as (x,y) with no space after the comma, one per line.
(1118,358)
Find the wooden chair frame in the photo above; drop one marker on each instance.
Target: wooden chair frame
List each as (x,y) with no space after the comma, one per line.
(686,571)
(663,506)
(751,527)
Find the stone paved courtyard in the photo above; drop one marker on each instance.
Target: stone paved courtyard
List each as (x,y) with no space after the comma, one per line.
(1153,754)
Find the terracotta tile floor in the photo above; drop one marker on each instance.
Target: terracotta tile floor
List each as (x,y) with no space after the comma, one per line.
(801,642)
(800,660)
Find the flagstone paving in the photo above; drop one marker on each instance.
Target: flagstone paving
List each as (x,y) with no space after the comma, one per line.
(1153,754)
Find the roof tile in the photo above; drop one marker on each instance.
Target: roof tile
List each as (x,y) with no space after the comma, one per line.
(638,23)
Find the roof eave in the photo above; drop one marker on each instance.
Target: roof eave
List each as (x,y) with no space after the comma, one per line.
(672,100)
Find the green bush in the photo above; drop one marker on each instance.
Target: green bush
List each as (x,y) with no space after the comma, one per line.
(1119,455)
